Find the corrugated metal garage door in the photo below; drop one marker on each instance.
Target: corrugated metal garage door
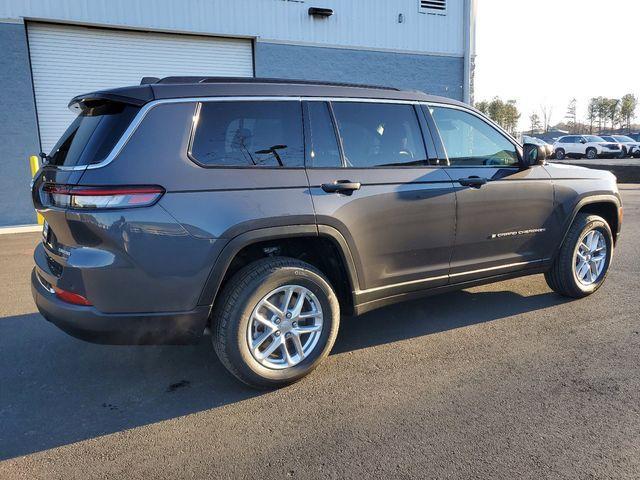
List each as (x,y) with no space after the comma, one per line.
(67,61)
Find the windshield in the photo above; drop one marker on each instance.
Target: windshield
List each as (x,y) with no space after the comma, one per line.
(623,138)
(92,134)
(593,138)
(609,139)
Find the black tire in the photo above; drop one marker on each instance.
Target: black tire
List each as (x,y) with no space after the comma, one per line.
(591,153)
(559,154)
(233,309)
(562,278)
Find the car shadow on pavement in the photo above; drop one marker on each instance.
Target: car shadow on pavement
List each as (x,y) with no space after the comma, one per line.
(436,314)
(57,390)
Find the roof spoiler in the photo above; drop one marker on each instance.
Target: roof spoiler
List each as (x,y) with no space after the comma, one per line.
(137,96)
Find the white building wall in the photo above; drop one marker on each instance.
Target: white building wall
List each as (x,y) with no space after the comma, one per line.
(368,24)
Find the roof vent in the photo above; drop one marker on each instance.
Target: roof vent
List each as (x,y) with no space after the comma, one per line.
(320,12)
(438,7)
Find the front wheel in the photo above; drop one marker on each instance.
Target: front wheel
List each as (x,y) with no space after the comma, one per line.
(559,154)
(275,321)
(592,154)
(584,258)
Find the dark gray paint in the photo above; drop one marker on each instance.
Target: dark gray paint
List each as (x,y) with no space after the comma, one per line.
(406,230)
(19,133)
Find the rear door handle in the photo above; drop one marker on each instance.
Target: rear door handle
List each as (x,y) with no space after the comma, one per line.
(473,181)
(341,186)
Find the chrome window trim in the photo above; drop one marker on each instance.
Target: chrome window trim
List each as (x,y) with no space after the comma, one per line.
(144,110)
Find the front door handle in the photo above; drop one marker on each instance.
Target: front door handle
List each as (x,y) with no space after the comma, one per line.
(473,181)
(341,186)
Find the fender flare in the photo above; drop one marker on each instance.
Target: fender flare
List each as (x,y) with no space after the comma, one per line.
(603,198)
(236,244)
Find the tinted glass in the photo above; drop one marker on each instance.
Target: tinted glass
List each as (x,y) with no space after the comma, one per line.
(471,141)
(323,151)
(92,135)
(248,134)
(609,139)
(593,138)
(623,138)
(379,134)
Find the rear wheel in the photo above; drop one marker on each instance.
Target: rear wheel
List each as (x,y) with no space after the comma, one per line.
(591,153)
(584,258)
(559,154)
(275,321)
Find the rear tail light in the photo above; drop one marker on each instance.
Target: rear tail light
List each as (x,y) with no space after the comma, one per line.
(66,196)
(71,297)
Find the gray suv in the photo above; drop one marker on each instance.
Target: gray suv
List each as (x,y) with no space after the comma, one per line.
(264,210)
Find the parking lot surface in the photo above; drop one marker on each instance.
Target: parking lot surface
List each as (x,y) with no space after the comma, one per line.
(502,381)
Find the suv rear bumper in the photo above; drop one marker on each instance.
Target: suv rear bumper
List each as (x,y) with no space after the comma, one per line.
(91,325)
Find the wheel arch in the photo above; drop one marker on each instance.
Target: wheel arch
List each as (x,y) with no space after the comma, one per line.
(321,246)
(606,206)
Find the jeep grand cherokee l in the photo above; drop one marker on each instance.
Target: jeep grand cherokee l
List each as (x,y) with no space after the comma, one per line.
(266,209)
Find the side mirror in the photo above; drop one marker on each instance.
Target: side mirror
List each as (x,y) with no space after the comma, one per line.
(533,155)
(582,140)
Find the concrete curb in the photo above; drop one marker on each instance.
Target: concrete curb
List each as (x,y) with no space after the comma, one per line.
(20,229)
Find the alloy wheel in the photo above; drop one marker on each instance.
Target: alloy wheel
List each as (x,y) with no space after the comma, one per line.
(284,327)
(590,258)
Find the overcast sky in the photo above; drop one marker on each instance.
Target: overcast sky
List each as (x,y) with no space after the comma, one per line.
(547,51)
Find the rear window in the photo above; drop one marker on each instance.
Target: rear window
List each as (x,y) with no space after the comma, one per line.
(92,135)
(249,134)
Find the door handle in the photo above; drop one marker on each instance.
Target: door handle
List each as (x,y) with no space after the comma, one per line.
(473,181)
(341,186)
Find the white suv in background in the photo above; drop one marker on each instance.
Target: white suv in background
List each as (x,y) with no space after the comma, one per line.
(589,146)
(630,148)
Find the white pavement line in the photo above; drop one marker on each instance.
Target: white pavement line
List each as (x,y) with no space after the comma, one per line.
(20,229)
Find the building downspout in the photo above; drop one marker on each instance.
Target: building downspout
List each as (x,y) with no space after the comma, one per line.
(469,32)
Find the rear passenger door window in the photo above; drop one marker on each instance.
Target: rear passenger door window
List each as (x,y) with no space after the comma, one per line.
(379,135)
(470,141)
(248,134)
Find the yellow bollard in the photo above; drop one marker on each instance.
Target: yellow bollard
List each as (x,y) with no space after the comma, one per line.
(34,161)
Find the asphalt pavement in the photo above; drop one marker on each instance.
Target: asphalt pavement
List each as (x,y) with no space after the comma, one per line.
(506,381)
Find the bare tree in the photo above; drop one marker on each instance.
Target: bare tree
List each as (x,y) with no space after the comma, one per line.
(547,111)
(571,116)
(534,119)
(592,113)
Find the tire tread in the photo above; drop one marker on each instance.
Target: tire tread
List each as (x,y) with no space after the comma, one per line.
(560,276)
(230,297)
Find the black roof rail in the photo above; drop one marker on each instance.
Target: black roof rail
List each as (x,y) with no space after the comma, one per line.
(149,80)
(267,80)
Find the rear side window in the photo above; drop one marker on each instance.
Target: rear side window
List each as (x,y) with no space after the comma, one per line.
(92,135)
(249,134)
(470,141)
(379,134)
(324,150)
